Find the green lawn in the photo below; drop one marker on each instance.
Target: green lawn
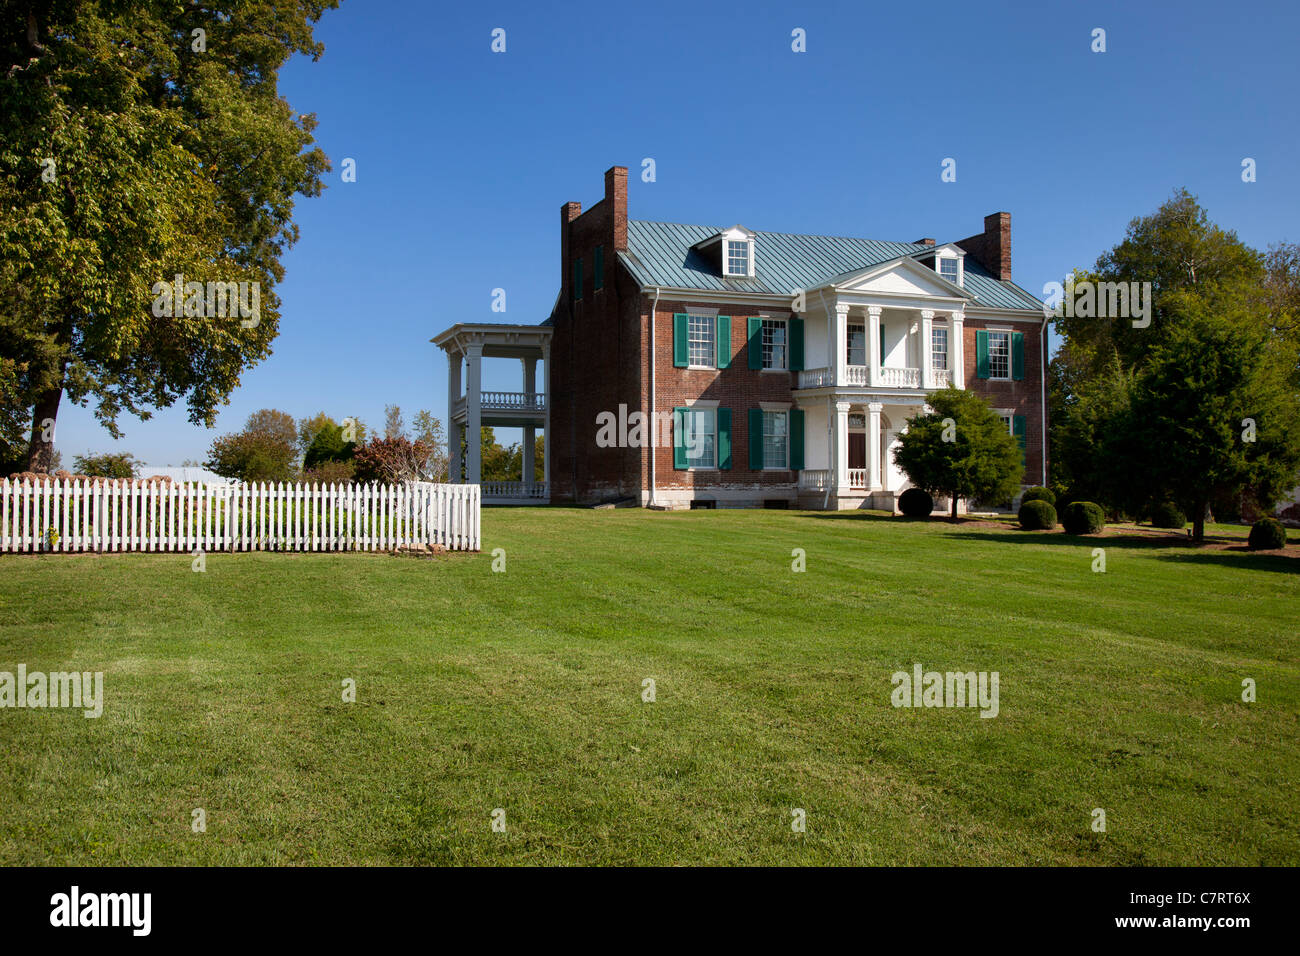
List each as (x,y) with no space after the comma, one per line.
(522,690)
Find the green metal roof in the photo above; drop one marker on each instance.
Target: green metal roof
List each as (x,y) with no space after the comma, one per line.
(661,254)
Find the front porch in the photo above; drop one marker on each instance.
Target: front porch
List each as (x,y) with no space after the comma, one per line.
(850,443)
(470,408)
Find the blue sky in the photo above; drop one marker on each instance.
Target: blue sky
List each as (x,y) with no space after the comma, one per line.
(464,157)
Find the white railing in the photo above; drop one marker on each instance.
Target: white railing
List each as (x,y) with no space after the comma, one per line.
(816,377)
(855,375)
(815,479)
(940,377)
(538,490)
(858,478)
(120,515)
(900,377)
(514,401)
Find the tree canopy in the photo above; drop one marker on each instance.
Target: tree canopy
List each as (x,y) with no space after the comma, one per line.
(141,141)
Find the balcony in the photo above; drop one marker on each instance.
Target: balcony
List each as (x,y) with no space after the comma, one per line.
(855,376)
(513,402)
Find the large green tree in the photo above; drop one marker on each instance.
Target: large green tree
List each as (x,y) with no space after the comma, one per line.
(1213,411)
(961,449)
(266,449)
(141,140)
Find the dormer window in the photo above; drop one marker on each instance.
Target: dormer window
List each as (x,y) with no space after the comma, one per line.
(948,269)
(730,252)
(737,256)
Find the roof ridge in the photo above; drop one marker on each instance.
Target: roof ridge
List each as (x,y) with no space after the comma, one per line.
(918,246)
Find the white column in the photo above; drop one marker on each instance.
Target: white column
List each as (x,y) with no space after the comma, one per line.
(546,429)
(841,455)
(873,446)
(455,360)
(873,345)
(927,342)
(530,433)
(956,350)
(838,337)
(474,415)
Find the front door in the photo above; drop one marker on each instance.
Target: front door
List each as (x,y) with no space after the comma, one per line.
(857,450)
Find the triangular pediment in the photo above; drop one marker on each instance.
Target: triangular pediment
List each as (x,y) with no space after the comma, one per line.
(903,276)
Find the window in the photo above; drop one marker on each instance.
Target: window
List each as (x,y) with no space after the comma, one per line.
(737,258)
(774,352)
(939,349)
(948,267)
(857,345)
(598,276)
(1000,355)
(700,339)
(1009,421)
(700,437)
(776,439)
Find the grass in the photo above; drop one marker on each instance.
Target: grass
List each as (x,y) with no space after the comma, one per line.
(522,690)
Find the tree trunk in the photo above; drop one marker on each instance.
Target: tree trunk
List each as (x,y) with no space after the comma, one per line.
(1198,522)
(40,453)
(953,519)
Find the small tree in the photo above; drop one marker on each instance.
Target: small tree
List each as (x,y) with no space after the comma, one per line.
(390,460)
(961,449)
(266,450)
(119,464)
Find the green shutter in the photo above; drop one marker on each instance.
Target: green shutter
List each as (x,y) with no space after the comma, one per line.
(755,439)
(681,350)
(882,344)
(598,277)
(796,439)
(1018,429)
(981,354)
(724,343)
(679,437)
(724,439)
(796,345)
(755,344)
(1018,356)
(577,279)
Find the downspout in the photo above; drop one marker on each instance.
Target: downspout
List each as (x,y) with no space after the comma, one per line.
(1042,380)
(652,420)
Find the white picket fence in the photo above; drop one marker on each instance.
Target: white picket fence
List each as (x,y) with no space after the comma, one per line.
(81,515)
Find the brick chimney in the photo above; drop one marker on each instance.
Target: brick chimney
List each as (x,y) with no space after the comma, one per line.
(568,212)
(923,242)
(616,196)
(992,247)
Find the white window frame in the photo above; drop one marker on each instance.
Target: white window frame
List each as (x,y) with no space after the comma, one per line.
(785,345)
(726,258)
(848,339)
(710,323)
(936,331)
(955,278)
(699,408)
(1007,334)
(785,415)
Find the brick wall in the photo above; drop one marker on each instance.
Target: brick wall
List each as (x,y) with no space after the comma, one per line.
(1020,398)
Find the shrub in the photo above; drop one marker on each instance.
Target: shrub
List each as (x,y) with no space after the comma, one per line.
(1167,515)
(915,503)
(1083,517)
(1039,493)
(1267,534)
(330,472)
(1037,515)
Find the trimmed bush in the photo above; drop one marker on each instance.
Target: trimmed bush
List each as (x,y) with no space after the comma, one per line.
(1167,515)
(1083,517)
(1267,534)
(1037,515)
(1039,493)
(915,503)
